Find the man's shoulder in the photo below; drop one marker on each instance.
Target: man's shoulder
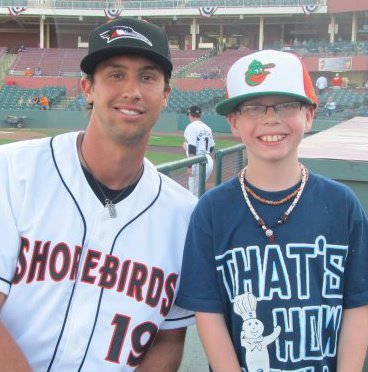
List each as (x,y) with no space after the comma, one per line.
(23,146)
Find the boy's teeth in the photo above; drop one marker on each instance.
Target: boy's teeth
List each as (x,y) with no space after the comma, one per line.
(272,138)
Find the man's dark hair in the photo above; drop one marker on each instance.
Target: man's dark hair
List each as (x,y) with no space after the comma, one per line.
(195,111)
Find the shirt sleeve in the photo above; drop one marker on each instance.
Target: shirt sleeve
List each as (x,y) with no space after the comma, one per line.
(190,135)
(356,269)
(9,247)
(198,290)
(178,318)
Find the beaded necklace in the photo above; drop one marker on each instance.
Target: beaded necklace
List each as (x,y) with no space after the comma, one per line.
(271,202)
(284,216)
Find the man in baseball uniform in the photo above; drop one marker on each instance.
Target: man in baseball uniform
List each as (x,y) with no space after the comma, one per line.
(198,141)
(92,235)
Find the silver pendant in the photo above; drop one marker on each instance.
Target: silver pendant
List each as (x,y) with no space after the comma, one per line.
(111,207)
(269,233)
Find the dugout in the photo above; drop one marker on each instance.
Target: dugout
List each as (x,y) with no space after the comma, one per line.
(341,153)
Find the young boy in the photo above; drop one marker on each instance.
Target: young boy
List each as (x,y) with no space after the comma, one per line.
(276,259)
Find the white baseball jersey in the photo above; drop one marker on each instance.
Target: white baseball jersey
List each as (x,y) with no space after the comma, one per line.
(199,135)
(86,292)
(321,83)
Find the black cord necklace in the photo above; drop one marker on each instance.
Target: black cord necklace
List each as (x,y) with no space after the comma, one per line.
(109,202)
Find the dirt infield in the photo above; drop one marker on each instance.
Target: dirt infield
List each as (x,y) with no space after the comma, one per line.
(19,134)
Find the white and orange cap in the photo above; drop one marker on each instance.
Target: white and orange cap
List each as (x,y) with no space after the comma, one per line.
(267,72)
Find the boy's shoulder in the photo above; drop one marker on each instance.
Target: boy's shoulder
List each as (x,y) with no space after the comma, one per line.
(329,189)
(327,184)
(222,193)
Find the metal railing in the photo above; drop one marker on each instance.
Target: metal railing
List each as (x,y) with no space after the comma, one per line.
(178,171)
(227,164)
(155,4)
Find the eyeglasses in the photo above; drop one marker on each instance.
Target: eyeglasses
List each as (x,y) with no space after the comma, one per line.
(282,110)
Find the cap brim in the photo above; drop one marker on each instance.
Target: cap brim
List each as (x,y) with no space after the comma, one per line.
(90,62)
(227,106)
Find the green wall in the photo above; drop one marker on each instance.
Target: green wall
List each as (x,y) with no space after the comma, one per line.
(352,173)
(168,122)
(49,119)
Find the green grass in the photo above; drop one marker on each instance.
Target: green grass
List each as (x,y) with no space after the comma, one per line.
(162,140)
(47,132)
(162,157)
(3,141)
(177,141)
(155,140)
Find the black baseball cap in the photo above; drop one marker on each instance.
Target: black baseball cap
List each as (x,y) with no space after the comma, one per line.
(127,35)
(194,110)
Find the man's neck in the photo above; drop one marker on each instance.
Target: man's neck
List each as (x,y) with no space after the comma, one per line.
(114,166)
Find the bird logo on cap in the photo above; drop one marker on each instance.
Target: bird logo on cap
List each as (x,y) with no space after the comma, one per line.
(256,73)
(120,32)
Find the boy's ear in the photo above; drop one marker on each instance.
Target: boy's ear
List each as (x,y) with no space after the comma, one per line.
(309,119)
(232,120)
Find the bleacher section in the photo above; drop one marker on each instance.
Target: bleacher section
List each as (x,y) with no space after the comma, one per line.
(183,59)
(52,61)
(323,49)
(222,62)
(78,104)
(58,65)
(71,84)
(179,100)
(12,97)
(349,103)
(66,61)
(3,51)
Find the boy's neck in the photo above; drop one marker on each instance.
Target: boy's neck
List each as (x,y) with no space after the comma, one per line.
(273,176)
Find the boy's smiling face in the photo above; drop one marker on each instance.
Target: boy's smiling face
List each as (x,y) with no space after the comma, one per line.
(272,136)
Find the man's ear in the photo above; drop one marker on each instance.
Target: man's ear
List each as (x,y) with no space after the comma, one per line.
(232,119)
(86,86)
(166,98)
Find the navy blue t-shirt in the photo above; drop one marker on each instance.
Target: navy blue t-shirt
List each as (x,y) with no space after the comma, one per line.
(282,301)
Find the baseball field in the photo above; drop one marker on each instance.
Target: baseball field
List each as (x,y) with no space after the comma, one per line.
(162,147)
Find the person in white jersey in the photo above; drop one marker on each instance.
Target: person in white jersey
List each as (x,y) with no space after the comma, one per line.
(92,234)
(198,141)
(321,84)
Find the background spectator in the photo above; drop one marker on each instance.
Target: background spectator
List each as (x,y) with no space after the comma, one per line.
(33,101)
(44,103)
(336,81)
(28,72)
(21,101)
(38,72)
(321,84)
(330,106)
